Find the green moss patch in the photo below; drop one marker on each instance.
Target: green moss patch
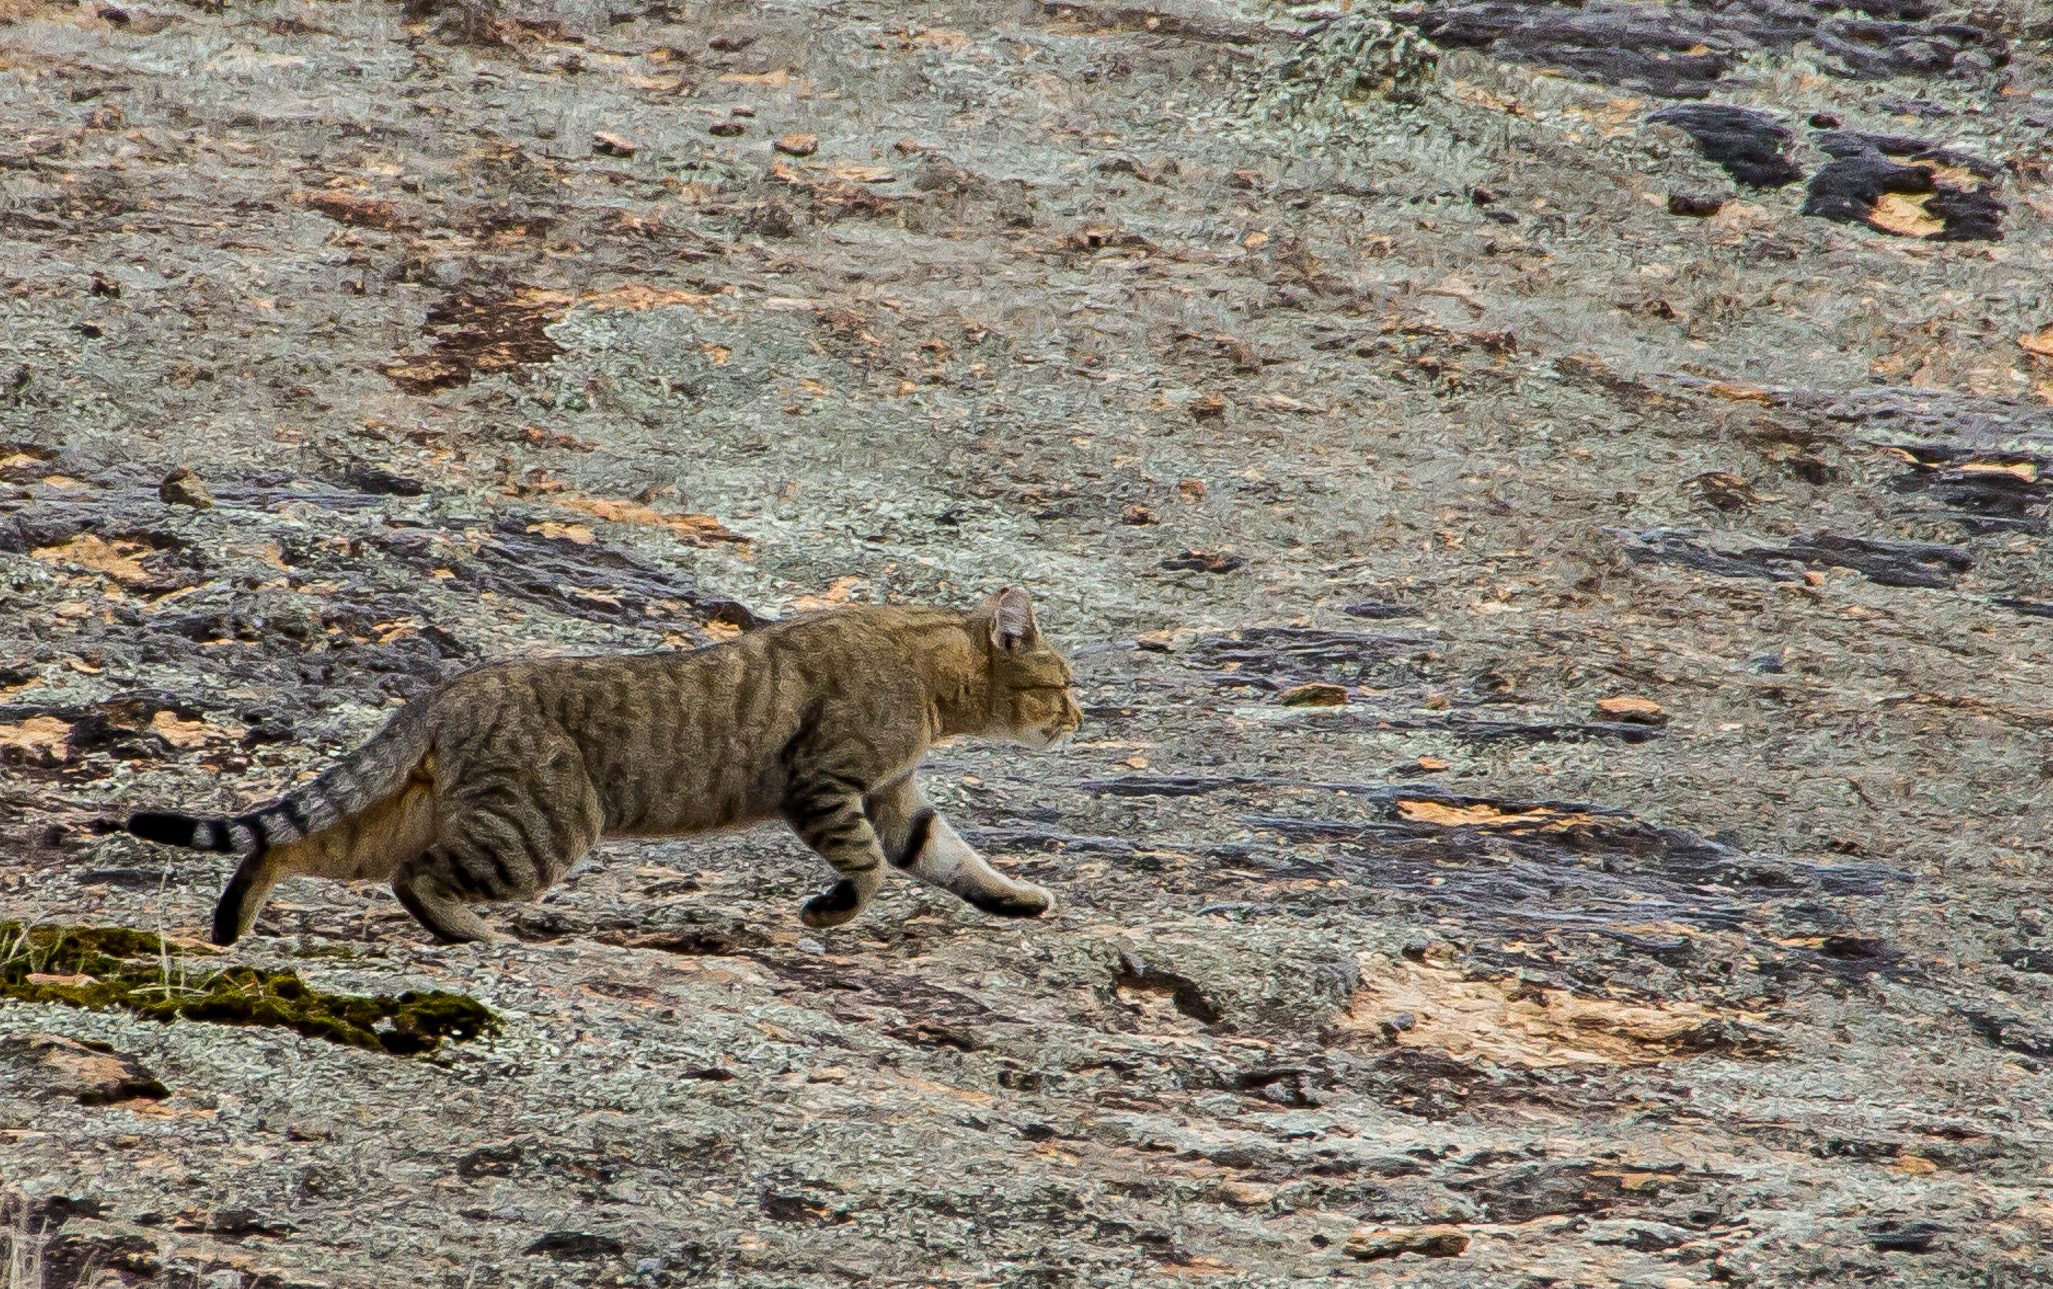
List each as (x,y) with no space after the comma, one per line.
(99,967)
(340,951)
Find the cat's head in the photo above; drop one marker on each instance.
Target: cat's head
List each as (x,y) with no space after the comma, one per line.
(1030,698)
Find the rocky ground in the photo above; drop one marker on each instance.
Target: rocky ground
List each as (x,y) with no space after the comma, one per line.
(1556,566)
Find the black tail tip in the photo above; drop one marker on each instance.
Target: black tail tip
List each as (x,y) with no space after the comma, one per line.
(169,829)
(228,910)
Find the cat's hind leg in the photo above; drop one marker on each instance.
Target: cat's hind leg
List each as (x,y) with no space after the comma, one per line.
(512,817)
(423,886)
(370,844)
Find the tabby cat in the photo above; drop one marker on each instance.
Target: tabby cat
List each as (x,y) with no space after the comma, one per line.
(493,784)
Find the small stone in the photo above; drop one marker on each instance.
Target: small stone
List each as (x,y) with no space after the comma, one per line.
(1694,205)
(1432,1241)
(574,1246)
(1293,1092)
(798,145)
(89,1073)
(1824,121)
(1917,1236)
(184,488)
(1196,561)
(1433,764)
(1634,711)
(382,483)
(1417,948)
(1247,1194)
(1379,609)
(1191,489)
(1318,693)
(612,145)
(725,129)
(1209,408)
(1138,515)
(1392,1026)
(1722,489)
(828,1074)
(771,219)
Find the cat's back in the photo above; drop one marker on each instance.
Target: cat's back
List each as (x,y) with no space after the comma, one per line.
(831,650)
(865,635)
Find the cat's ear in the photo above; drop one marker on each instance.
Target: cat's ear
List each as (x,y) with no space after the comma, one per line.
(1013,628)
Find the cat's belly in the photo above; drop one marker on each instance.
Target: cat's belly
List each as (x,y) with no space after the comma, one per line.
(692,819)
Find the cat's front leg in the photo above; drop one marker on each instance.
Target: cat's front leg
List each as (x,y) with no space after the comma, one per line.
(918,840)
(829,817)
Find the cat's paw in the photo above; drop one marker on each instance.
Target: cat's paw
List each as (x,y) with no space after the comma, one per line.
(834,906)
(1024,900)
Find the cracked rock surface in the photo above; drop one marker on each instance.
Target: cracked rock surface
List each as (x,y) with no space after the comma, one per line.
(1562,793)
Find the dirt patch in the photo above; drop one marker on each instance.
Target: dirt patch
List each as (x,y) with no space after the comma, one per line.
(120,560)
(637,296)
(358,212)
(1510,1023)
(39,740)
(696,530)
(481,332)
(1948,198)
(88,1073)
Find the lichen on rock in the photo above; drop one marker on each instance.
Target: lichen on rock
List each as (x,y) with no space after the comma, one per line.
(1322,89)
(108,967)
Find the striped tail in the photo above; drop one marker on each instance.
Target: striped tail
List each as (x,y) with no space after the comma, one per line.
(357,783)
(342,790)
(250,834)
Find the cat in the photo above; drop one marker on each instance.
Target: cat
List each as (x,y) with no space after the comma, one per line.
(493,784)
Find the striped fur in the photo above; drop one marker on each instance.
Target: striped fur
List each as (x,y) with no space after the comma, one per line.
(495,783)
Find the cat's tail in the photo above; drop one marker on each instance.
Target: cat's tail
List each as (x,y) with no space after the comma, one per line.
(360,780)
(317,827)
